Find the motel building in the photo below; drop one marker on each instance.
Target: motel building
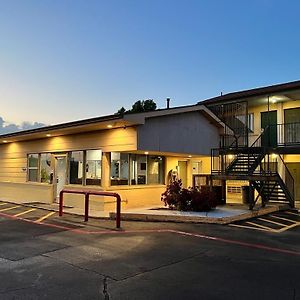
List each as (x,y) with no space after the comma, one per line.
(242,139)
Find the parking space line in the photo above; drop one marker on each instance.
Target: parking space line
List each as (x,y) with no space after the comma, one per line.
(270,221)
(289,227)
(292,213)
(24,212)
(261,226)
(9,208)
(45,217)
(247,227)
(284,219)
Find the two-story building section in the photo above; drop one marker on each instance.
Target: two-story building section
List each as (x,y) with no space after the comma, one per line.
(260,146)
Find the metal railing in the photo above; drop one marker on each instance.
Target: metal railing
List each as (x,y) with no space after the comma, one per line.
(288,134)
(86,202)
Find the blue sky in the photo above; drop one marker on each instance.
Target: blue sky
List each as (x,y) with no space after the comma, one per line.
(67,60)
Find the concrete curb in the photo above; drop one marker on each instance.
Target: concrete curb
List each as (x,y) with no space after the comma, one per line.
(152,217)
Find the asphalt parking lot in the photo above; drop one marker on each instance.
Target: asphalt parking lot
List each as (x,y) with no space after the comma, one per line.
(44,256)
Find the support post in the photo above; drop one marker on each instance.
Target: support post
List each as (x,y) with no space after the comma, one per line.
(118,215)
(86,206)
(61,200)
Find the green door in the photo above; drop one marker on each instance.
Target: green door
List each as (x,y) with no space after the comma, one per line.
(269,118)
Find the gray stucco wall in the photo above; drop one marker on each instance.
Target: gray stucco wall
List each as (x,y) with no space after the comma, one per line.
(181,133)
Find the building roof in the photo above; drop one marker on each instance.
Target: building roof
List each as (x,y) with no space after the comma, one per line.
(267,90)
(104,122)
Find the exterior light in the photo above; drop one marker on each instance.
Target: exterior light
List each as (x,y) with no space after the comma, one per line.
(230,156)
(109,126)
(146,152)
(274,155)
(48,135)
(190,156)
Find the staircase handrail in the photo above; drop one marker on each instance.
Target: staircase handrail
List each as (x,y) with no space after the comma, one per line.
(265,130)
(288,178)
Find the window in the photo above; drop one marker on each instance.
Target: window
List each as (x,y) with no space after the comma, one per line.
(46,170)
(155,170)
(76,167)
(33,167)
(119,168)
(93,167)
(138,169)
(292,115)
(141,169)
(251,122)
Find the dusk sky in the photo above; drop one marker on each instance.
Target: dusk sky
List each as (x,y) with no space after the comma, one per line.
(69,60)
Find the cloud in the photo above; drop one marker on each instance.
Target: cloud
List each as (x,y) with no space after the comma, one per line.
(9,128)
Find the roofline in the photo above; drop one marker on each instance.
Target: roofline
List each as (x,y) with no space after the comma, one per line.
(89,121)
(271,89)
(62,126)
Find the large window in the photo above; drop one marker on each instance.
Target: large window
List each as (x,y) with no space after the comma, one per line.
(46,169)
(139,169)
(84,167)
(76,167)
(93,167)
(33,167)
(119,168)
(155,170)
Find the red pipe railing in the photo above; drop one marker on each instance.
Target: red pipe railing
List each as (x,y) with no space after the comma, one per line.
(87,200)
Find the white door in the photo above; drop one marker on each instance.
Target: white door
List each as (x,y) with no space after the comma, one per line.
(60,175)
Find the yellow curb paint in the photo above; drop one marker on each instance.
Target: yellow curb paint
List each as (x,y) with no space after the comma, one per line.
(9,208)
(292,213)
(284,219)
(24,212)
(261,226)
(270,221)
(248,227)
(45,217)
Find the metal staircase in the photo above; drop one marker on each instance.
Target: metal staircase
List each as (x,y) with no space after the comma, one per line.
(272,191)
(244,164)
(265,171)
(272,179)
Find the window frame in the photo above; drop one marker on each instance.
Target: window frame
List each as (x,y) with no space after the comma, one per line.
(33,168)
(130,159)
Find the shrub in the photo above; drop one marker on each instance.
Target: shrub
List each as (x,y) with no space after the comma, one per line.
(191,199)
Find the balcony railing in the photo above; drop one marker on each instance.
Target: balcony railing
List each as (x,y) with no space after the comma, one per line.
(279,135)
(288,134)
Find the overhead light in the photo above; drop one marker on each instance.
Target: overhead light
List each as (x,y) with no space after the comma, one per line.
(146,152)
(190,156)
(48,135)
(5,141)
(109,126)
(274,155)
(230,156)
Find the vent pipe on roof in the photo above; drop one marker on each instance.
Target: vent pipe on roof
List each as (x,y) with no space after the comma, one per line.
(168,103)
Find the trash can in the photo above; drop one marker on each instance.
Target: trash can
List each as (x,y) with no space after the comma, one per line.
(247,194)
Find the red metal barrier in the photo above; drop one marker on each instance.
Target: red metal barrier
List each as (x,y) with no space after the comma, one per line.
(87,200)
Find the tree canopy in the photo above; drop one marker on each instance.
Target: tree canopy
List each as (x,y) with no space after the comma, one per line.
(139,106)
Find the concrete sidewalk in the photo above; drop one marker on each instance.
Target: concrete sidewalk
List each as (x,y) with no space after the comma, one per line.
(220,215)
